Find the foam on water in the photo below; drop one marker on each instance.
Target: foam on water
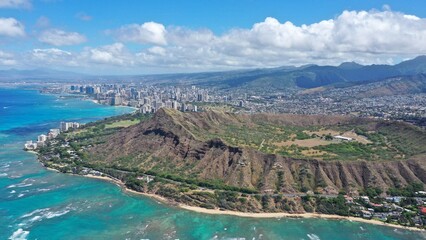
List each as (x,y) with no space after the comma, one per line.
(43,189)
(19,234)
(22,184)
(39,215)
(4,165)
(56,214)
(34,212)
(312,236)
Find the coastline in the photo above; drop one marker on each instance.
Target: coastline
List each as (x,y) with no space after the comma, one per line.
(248,214)
(97,102)
(216,211)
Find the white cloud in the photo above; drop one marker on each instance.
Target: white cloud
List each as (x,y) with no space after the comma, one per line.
(15,4)
(57,37)
(363,36)
(146,33)
(366,37)
(114,54)
(11,27)
(53,57)
(7,59)
(46,53)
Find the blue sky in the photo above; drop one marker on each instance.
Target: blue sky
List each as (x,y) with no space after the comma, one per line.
(185,36)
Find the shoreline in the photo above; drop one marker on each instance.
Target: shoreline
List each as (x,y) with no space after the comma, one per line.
(97,102)
(248,214)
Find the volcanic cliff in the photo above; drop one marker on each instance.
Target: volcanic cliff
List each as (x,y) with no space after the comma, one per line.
(186,144)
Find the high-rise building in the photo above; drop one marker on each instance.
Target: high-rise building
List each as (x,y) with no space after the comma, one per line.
(53,133)
(116,100)
(175,105)
(90,90)
(241,103)
(42,138)
(63,126)
(200,97)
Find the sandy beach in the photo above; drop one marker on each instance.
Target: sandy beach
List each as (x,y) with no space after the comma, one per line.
(97,102)
(247,214)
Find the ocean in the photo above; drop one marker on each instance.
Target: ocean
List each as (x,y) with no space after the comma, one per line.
(39,204)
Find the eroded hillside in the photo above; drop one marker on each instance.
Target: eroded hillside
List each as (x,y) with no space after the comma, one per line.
(270,153)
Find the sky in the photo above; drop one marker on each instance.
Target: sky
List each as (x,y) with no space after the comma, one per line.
(144,37)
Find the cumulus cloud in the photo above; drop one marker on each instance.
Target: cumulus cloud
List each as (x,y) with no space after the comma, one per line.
(363,36)
(115,54)
(15,4)
(46,53)
(53,57)
(366,37)
(146,33)
(7,59)
(11,27)
(57,37)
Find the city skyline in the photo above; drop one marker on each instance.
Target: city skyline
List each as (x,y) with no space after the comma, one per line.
(166,37)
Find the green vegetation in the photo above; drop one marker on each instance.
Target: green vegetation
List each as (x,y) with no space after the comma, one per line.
(372,141)
(372,192)
(212,184)
(335,205)
(264,137)
(407,191)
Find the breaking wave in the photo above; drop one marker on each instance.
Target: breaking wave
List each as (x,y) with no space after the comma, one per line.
(312,236)
(42,214)
(19,234)
(22,184)
(34,212)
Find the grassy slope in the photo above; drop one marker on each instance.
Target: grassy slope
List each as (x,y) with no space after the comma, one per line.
(389,141)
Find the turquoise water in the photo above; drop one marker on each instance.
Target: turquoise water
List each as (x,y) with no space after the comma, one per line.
(40,204)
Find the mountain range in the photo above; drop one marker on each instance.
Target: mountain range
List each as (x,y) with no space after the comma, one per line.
(304,77)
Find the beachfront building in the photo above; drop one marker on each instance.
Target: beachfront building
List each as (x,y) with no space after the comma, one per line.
(65,126)
(42,138)
(30,145)
(53,133)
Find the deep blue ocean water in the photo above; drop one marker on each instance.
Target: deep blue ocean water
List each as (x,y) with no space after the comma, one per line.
(39,204)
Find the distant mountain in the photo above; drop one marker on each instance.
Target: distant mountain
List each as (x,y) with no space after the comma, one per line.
(414,66)
(308,76)
(396,86)
(326,75)
(311,76)
(350,65)
(37,74)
